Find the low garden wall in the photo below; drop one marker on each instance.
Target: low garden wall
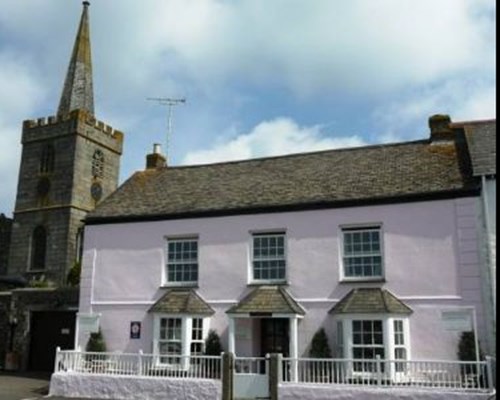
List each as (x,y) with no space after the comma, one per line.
(317,392)
(130,387)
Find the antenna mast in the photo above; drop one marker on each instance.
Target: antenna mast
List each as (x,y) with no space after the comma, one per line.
(170,103)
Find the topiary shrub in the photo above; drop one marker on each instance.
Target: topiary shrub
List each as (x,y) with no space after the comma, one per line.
(319,345)
(96,342)
(212,344)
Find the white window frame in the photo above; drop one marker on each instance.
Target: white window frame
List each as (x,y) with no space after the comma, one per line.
(186,336)
(253,235)
(361,227)
(388,334)
(165,281)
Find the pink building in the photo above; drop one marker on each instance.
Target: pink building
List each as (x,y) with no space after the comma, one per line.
(377,245)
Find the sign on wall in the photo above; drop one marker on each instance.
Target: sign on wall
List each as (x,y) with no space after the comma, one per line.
(135,330)
(457,321)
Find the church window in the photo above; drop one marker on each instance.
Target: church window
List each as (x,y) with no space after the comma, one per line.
(47,159)
(98,164)
(38,248)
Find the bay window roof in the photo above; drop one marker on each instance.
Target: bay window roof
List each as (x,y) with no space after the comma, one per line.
(370,301)
(182,301)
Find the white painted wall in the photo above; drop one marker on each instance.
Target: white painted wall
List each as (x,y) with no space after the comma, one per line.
(324,392)
(430,261)
(129,388)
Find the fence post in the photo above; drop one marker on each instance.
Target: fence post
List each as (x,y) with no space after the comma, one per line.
(58,359)
(378,370)
(139,364)
(274,374)
(227,376)
(489,373)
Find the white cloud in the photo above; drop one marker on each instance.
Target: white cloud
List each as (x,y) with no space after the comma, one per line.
(407,117)
(304,46)
(270,138)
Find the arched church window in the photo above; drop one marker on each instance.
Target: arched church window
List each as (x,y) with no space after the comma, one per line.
(98,164)
(38,248)
(47,159)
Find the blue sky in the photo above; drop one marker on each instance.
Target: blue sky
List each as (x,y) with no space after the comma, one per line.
(261,77)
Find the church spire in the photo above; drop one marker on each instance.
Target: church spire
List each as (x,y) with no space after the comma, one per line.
(78,92)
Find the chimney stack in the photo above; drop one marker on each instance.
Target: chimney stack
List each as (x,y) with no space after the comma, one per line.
(156,159)
(439,125)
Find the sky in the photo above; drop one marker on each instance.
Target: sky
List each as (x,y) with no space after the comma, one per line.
(260,77)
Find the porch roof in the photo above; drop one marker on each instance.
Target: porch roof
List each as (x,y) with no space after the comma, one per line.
(370,301)
(267,299)
(182,301)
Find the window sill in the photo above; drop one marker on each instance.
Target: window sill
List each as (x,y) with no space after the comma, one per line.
(268,283)
(363,280)
(36,271)
(181,285)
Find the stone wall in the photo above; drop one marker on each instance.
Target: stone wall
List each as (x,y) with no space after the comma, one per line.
(5,298)
(61,208)
(24,301)
(5,231)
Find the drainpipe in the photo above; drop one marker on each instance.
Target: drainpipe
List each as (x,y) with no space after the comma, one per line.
(488,245)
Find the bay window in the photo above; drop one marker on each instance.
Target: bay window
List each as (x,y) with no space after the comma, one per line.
(178,337)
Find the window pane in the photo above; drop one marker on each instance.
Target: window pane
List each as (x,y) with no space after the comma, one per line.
(362,254)
(182,264)
(269,256)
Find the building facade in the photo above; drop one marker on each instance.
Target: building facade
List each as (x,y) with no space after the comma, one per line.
(374,245)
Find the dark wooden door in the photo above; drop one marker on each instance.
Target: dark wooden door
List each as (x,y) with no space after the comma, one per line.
(50,329)
(275,336)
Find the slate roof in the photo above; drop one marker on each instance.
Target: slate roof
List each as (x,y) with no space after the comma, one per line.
(310,180)
(482,144)
(182,301)
(370,301)
(267,299)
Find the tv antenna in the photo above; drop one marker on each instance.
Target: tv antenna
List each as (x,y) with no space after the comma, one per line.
(170,103)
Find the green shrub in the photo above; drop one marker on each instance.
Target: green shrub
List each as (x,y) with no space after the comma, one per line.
(319,345)
(73,278)
(212,344)
(96,342)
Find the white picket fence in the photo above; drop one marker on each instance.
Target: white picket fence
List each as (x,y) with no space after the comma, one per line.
(454,375)
(139,364)
(450,375)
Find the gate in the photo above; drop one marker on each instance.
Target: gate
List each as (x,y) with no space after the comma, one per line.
(49,330)
(251,378)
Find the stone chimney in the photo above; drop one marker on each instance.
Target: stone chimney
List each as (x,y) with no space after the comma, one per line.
(441,130)
(156,159)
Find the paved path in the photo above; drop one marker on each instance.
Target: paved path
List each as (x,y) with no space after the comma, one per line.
(25,386)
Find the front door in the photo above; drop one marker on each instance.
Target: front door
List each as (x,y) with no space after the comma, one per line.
(274,337)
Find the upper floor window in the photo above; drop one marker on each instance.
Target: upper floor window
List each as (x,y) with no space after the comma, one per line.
(98,164)
(182,260)
(362,252)
(38,248)
(268,257)
(47,159)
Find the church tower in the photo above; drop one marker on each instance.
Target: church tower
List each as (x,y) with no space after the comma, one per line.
(69,163)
